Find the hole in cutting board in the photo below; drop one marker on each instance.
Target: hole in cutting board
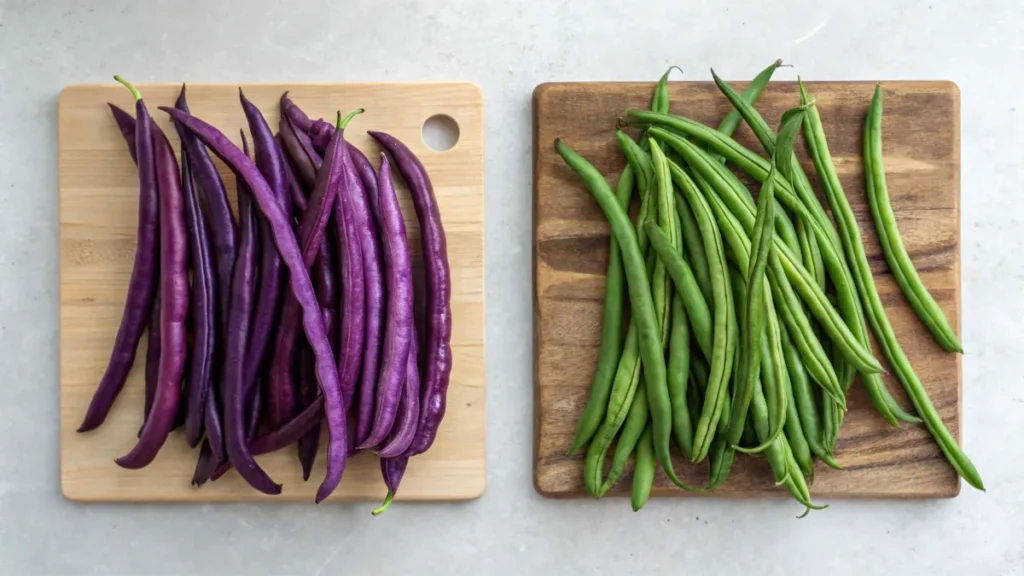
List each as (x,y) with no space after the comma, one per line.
(441,132)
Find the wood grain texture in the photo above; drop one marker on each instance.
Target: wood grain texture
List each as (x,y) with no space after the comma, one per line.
(921,129)
(98,205)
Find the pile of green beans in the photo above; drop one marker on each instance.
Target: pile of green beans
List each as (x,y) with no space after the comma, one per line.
(747,319)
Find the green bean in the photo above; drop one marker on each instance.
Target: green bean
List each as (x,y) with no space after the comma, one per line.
(678,377)
(875,311)
(636,422)
(795,435)
(849,303)
(639,289)
(732,120)
(774,381)
(749,435)
(806,406)
(834,325)
(695,251)
(790,168)
(896,255)
(724,337)
(643,473)
(657,389)
(660,102)
(640,162)
(811,254)
(685,286)
(611,331)
(754,320)
(786,300)
(697,386)
(624,389)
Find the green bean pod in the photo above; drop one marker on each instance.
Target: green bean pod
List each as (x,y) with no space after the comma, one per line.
(611,331)
(636,422)
(724,337)
(804,400)
(685,286)
(679,376)
(643,473)
(695,251)
(903,270)
(753,325)
(875,311)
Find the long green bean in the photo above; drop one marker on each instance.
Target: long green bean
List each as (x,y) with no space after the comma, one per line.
(753,327)
(632,429)
(611,331)
(724,337)
(875,311)
(643,473)
(686,287)
(896,255)
(678,377)
(804,399)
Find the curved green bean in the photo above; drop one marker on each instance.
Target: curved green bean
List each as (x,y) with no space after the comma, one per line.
(753,317)
(611,331)
(679,376)
(643,473)
(724,337)
(903,270)
(732,120)
(804,400)
(875,311)
(685,286)
(695,251)
(632,429)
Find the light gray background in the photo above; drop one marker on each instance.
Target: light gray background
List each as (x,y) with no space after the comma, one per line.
(507,48)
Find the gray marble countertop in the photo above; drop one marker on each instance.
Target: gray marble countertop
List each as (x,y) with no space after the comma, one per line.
(508,48)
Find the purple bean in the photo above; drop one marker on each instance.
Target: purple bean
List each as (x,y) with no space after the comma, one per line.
(295,190)
(265,315)
(294,114)
(310,443)
(126,124)
(239,324)
(223,229)
(141,287)
(392,469)
(398,329)
(368,177)
(352,278)
(174,305)
(300,150)
(301,287)
(404,429)
(284,436)
(437,352)
(203,294)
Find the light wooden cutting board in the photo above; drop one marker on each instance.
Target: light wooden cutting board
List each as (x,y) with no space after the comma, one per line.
(98,205)
(921,129)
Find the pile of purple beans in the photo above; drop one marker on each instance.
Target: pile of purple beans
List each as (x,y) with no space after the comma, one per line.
(296,312)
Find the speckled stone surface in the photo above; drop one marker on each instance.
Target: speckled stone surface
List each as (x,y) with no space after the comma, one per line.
(507,48)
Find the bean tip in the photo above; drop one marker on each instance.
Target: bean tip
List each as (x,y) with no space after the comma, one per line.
(135,93)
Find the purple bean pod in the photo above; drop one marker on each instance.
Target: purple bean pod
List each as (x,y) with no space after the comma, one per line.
(311,235)
(294,114)
(352,278)
(284,436)
(239,325)
(223,229)
(143,283)
(392,469)
(301,287)
(310,443)
(295,190)
(398,328)
(265,315)
(437,351)
(152,359)
(300,150)
(375,294)
(205,466)
(126,124)
(174,307)
(203,295)
(368,177)
(404,429)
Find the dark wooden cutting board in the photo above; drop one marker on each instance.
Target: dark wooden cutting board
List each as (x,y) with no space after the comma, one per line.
(921,130)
